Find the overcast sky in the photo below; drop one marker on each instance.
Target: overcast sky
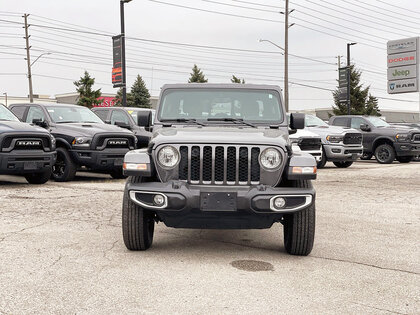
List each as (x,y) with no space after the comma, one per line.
(238,25)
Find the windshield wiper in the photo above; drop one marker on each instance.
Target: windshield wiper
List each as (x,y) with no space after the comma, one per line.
(234,120)
(186,120)
(67,121)
(311,125)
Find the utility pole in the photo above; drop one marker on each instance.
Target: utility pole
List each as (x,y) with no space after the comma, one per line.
(28,58)
(348,77)
(124,88)
(286,56)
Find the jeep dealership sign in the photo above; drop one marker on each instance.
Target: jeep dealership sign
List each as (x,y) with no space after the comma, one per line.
(403,65)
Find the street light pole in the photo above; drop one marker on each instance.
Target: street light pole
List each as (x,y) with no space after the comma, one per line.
(348,77)
(124,88)
(286,56)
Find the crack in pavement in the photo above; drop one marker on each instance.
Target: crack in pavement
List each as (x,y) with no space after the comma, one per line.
(379,309)
(108,250)
(318,257)
(56,261)
(17,232)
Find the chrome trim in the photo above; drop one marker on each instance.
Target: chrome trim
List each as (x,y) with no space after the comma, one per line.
(132,195)
(308,201)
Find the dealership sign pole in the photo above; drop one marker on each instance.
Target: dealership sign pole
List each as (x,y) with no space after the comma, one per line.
(403,66)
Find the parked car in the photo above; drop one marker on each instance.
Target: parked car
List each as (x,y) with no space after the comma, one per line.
(306,141)
(220,158)
(415,125)
(127,117)
(340,145)
(381,139)
(84,141)
(24,149)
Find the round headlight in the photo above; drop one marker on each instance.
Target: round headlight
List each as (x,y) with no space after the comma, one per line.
(270,158)
(168,157)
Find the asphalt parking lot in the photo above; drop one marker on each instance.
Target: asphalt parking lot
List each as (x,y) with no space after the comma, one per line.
(61,251)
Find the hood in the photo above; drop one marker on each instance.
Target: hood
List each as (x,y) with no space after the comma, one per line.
(90,129)
(220,135)
(303,133)
(17,126)
(331,130)
(400,129)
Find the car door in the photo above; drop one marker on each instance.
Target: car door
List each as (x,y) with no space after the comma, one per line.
(118,115)
(368,136)
(102,113)
(35,113)
(341,121)
(19,111)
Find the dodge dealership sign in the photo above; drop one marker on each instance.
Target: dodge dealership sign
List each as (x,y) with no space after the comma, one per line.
(402,61)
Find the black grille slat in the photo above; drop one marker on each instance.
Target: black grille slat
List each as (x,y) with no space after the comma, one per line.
(307,144)
(183,163)
(195,163)
(219,164)
(352,138)
(255,165)
(207,163)
(231,164)
(243,164)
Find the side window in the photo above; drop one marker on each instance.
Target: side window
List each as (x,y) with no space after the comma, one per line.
(103,114)
(341,121)
(35,112)
(118,115)
(356,121)
(19,111)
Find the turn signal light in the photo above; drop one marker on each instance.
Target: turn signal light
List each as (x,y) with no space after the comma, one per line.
(134,167)
(304,169)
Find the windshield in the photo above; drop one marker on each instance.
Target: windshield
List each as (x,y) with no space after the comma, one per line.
(224,104)
(6,114)
(378,122)
(72,114)
(313,121)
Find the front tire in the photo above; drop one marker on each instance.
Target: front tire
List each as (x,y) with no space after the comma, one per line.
(343,164)
(64,168)
(38,178)
(138,225)
(321,164)
(299,227)
(385,154)
(404,159)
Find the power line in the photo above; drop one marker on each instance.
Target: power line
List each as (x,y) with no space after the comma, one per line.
(395,6)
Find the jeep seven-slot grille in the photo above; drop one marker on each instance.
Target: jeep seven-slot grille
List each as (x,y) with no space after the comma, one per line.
(352,138)
(219,164)
(309,144)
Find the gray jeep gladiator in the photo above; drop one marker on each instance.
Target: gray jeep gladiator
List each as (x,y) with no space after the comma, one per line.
(220,158)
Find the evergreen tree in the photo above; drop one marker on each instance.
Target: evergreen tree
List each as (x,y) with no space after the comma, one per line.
(235,79)
(87,96)
(197,76)
(139,96)
(361,101)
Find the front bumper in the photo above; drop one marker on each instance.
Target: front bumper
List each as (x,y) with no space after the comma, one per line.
(340,152)
(317,154)
(26,162)
(407,149)
(219,207)
(103,160)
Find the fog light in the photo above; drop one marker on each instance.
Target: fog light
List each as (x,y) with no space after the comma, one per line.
(279,202)
(158,200)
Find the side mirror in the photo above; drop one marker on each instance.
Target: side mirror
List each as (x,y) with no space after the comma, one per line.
(144,119)
(122,124)
(39,122)
(297,121)
(364,127)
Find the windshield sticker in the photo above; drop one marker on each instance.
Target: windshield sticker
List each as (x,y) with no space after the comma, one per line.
(51,110)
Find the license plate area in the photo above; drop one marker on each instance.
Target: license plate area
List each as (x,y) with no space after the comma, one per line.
(218,201)
(118,162)
(354,156)
(29,166)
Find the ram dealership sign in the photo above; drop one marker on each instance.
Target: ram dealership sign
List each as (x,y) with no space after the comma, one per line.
(403,66)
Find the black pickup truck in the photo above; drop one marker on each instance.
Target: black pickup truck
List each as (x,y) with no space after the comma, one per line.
(384,141)
(84,141)
(127,117)
(24,149)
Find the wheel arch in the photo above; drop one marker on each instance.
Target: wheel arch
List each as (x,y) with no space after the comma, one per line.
(382,140)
